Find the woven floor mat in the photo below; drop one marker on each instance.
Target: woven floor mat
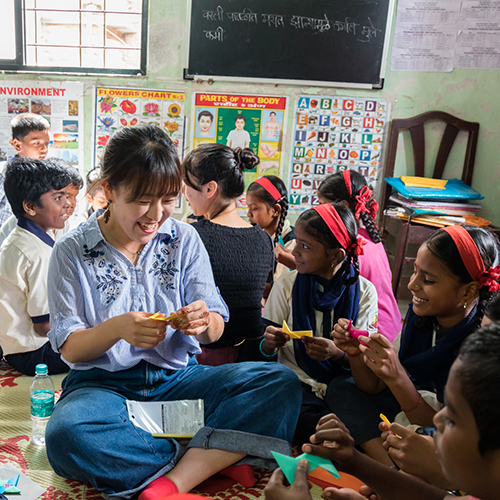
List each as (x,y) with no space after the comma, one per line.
(17,449)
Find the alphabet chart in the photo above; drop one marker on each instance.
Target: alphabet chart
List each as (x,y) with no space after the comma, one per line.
(331,134)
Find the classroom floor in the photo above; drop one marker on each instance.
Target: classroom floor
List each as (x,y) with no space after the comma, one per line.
(17,449)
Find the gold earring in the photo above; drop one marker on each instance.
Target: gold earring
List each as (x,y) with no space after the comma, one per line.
(465,305)
(107,213)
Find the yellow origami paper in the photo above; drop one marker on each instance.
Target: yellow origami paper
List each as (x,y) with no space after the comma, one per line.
(158,317)
(298,334)
(424,182)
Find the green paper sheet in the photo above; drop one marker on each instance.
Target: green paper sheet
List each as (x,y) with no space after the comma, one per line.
(288,464)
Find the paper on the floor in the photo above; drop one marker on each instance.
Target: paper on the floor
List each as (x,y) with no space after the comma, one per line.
(177,419)
(29,489)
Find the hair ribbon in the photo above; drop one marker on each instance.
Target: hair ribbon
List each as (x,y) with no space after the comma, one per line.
(270,188)
(361,199)
(332,219)
(472,259)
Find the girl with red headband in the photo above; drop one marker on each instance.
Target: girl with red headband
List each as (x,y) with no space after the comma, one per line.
(350,188)
(325,287)
(241,255)
(456,270)
(267,201)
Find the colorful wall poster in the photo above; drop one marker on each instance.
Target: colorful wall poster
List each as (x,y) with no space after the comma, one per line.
(116,108)
(253,121)
(61,103)
(331,134)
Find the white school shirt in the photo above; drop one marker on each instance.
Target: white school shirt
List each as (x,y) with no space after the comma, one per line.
(24,264)
(238,139)
(279,307)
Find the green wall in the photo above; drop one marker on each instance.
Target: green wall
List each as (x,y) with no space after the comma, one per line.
(470,94)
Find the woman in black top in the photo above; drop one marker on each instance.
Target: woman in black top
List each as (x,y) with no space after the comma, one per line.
(242,255)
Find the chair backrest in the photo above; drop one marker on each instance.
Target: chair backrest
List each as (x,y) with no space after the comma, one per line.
(416,127)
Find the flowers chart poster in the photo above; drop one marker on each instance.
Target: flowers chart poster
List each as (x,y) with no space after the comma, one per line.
(116,108)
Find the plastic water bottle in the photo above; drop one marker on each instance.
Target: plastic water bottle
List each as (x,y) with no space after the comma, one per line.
(42,403)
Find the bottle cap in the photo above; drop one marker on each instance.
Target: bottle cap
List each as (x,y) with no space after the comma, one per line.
(41,369)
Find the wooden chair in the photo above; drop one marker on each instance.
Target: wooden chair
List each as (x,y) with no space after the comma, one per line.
(408,233)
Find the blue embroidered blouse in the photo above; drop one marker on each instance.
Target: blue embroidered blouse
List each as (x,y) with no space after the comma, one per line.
(90,282)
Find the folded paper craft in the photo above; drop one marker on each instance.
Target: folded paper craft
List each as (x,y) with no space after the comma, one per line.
(298,334)
(158,317)
(356,333)
(9,486)
(288,464)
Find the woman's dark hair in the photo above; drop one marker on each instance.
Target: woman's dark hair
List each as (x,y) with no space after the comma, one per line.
(442,246)
(316,227)
(144,161)
(333,189)
(262,195)
(27,179)
(479,375)
(492,307)
(219,163)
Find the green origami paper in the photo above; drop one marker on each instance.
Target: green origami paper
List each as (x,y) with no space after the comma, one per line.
(288,464)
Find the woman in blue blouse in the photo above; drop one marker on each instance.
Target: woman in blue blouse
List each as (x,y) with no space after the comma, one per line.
(106,278)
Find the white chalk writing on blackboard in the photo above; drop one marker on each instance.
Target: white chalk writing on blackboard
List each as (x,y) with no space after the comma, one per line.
(273,20)
(214,15)
(247,15)
(298,22)
(302,22)
(217,34)
(346,25)
(369,31)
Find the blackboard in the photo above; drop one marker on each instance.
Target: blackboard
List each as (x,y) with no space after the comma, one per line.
(328,42)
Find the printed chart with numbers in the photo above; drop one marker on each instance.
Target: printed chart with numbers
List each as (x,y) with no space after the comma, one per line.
(331,134)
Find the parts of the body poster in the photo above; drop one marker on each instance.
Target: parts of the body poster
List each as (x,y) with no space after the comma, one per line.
(243,121)
(331,134)
(121,107)
(61,103)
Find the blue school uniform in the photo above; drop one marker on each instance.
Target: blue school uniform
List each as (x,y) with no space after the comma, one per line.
(89,436)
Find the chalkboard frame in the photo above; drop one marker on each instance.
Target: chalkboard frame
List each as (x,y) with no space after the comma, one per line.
(310,83)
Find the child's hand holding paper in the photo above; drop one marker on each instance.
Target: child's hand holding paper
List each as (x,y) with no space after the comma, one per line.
(297,334)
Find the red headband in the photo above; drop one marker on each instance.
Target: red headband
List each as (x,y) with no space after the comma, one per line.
(332,219)
(361,199)
(472,260)
(347,179)
(270,188)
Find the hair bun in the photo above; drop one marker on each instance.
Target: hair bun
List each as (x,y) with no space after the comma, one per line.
(246,158)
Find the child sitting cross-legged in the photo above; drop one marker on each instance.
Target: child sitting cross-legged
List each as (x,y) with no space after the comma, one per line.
(467,438)
(36,190)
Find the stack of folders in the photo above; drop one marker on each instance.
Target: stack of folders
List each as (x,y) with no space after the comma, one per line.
(438,208)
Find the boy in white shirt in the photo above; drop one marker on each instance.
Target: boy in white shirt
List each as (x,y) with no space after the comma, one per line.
(37,193)
(238,138)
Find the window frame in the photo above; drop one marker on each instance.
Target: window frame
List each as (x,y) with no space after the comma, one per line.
(18,64)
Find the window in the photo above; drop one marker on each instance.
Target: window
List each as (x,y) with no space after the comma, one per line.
(83,36)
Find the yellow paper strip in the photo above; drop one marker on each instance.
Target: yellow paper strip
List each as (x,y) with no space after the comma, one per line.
(385,419)
(156,316)
(298,334)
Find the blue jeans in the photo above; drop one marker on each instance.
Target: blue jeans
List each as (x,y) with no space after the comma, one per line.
(250,408)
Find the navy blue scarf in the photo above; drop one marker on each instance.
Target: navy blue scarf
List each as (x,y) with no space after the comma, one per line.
(306,299)
(429,366)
